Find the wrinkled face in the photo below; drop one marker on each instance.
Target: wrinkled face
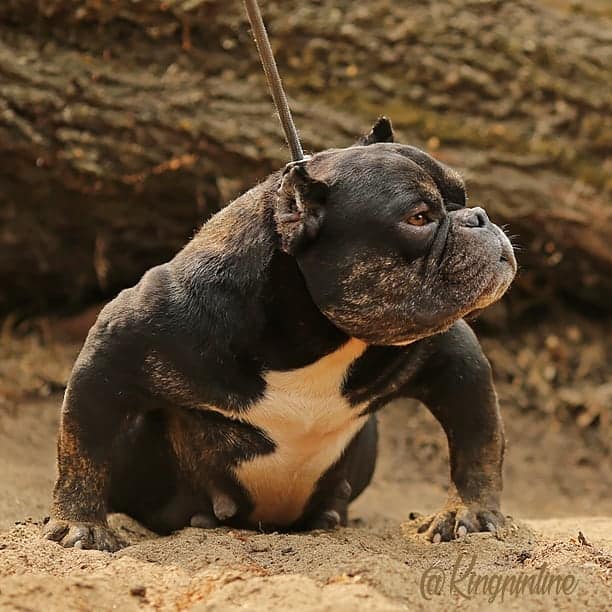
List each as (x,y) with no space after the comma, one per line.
(396,255)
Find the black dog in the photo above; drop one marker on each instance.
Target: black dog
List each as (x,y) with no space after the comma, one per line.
(237,384)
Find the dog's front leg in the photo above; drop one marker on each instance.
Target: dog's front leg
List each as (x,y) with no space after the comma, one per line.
(93,412)
(456,385)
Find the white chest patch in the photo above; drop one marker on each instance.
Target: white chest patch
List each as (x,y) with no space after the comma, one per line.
(311,423)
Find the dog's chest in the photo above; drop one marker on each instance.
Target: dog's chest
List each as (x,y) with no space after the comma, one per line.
(310,422)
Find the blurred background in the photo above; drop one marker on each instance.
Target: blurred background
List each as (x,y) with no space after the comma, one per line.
(125,124)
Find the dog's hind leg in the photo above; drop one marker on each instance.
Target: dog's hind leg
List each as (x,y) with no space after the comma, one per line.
(145,479)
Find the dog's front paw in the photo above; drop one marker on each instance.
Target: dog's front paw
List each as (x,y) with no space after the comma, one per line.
(457,520)
(94,536)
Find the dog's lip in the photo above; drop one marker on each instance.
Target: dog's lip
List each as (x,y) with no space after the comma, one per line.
(473,314)
(507,251)
(508,258)
(497,286)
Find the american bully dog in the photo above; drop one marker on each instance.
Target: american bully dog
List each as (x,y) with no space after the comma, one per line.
(238,383)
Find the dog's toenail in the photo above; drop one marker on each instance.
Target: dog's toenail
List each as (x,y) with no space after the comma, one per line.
(437,538)
(344,490)
(332,518)
(462,531)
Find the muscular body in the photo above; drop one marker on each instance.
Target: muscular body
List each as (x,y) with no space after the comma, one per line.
(238,383)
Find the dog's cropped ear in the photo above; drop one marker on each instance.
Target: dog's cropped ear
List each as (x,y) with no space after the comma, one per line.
(382,131)
(301,206)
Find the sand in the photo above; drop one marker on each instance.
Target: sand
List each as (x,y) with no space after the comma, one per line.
(378,563)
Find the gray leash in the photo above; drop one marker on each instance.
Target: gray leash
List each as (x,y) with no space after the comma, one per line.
(274,81)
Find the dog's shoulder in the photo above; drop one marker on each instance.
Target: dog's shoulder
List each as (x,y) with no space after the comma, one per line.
(198,316)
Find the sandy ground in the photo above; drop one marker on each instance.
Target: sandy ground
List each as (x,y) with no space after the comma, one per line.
(554,387)
(378,563)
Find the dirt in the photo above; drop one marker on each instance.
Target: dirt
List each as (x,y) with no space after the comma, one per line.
(558,487)
(128,123)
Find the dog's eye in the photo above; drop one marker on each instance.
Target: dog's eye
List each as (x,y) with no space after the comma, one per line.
(418,219)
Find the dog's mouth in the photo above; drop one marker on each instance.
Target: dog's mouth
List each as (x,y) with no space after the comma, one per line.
(496,288)
(507,251)
(474,314)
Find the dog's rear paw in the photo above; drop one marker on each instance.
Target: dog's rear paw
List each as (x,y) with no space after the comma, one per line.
(458,520)
(90,536)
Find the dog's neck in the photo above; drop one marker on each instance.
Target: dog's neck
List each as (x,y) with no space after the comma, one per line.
(296,333)
(270,313)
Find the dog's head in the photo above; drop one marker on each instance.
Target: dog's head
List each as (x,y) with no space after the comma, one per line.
(389,251)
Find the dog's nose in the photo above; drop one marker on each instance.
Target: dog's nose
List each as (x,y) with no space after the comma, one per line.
(474,217)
